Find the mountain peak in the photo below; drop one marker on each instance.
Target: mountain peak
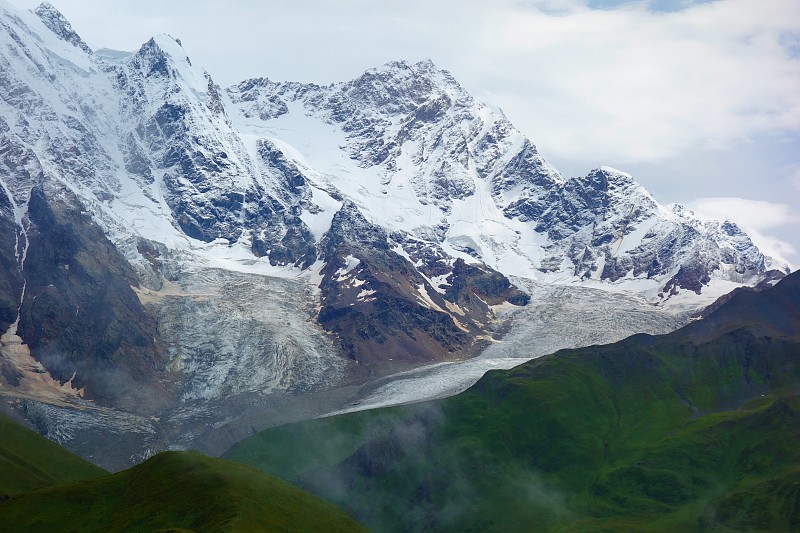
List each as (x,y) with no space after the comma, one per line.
(165,44)
(613,172)
(163,56)
(423,66)
(608,178)
(59,25)
(401,86)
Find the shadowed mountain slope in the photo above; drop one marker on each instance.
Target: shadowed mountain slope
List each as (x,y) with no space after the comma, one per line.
(174,491)
(29,461)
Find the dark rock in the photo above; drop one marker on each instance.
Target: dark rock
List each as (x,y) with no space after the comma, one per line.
(59,25)
(688,277)
(10,275)
(382,308)
(490,286)
(80,315)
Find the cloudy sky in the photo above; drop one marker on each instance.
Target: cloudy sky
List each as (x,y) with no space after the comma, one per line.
(697,99)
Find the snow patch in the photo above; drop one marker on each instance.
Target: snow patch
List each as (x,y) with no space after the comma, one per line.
(350,262)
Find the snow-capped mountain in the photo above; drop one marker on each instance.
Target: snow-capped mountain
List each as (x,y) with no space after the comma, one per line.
(171,248)
(422,157)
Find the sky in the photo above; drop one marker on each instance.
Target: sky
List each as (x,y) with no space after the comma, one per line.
(698,99)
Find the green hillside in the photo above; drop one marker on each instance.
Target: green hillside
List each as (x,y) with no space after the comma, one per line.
(174,491)
(29,461)
(698,430)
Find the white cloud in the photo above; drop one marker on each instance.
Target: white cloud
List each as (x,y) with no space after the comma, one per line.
(794,178)
(756,214)
(756,218)
(632,85)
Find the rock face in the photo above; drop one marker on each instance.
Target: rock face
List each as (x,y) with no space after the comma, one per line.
(179,145)
(610,227)
(383,306)
(173,249)
(60,26)
(80,316)
(10,276)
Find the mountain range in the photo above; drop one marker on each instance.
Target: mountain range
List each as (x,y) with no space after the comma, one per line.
(183,263)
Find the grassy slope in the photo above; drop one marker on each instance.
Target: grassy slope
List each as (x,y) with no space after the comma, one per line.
(175,490)
(697,430)
(29,461)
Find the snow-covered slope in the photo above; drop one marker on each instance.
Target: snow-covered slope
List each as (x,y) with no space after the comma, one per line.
(424,159)
(163,153)
(278,239)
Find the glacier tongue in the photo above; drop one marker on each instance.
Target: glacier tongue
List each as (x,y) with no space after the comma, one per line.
(558,317)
